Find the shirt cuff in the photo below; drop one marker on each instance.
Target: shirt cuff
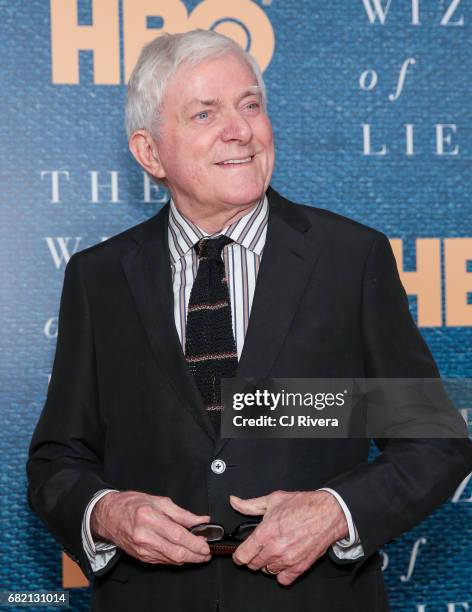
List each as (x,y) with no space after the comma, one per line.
(349,547)
(98,552)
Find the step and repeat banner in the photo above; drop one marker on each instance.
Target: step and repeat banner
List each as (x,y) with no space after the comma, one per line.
(371,106)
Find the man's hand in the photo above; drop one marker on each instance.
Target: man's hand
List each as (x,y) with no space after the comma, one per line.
(151,528)
(297,529)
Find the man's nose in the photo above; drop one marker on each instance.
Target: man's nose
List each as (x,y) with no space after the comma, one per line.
(236,128)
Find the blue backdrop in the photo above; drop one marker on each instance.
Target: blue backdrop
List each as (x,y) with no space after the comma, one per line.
(370,101)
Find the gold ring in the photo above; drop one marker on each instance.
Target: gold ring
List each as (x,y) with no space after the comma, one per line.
(268,571)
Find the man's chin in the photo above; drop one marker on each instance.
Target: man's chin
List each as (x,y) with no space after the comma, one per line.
(243,197)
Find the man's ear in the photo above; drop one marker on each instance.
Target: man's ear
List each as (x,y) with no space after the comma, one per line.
(145,150)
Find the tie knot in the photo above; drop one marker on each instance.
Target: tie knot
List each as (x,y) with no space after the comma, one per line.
(211,247)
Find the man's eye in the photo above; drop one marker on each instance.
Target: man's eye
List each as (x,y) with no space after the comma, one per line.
(253,105)
(203,115)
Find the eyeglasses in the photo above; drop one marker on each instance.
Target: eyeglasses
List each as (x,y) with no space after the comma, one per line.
(220,541)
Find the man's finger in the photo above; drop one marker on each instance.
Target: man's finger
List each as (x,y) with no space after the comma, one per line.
(159,548)
(246,554)
(291,573)
(269,555)
(253,506)
(180,554)
(259,561)
(273,570)
(251,547)
(182,516)
(286,577)
(177,535)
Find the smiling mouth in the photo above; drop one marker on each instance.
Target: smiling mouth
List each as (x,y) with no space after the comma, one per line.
(236,162)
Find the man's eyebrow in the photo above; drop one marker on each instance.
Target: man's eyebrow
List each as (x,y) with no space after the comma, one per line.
(250,91)
(207,102)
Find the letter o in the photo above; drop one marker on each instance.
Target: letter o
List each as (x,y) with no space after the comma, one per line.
(254,33)
(363,80)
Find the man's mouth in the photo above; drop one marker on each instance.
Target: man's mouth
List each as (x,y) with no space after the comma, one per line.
(235,161)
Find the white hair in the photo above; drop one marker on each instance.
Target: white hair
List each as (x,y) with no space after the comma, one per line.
(158,62)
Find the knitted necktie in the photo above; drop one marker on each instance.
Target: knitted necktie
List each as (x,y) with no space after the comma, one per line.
(210,349)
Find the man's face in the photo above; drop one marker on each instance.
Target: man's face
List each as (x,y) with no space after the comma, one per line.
(212,113)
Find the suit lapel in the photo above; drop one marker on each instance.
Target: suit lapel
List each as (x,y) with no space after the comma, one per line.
(287,262)
(148,272)
(286,265)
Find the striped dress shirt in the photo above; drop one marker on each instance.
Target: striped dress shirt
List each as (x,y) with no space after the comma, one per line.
(242,260)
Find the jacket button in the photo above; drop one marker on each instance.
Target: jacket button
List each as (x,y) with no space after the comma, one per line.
(218,466)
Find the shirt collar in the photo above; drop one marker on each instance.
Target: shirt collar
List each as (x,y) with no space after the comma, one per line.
(249,231)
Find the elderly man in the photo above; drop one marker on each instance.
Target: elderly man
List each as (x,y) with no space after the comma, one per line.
(228,279)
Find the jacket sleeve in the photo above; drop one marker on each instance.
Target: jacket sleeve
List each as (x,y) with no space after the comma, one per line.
(410,477)
(65,464)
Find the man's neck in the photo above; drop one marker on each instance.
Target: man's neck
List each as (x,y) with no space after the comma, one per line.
(210,221)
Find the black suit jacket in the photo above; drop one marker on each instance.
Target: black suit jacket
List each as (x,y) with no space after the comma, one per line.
(124,412)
